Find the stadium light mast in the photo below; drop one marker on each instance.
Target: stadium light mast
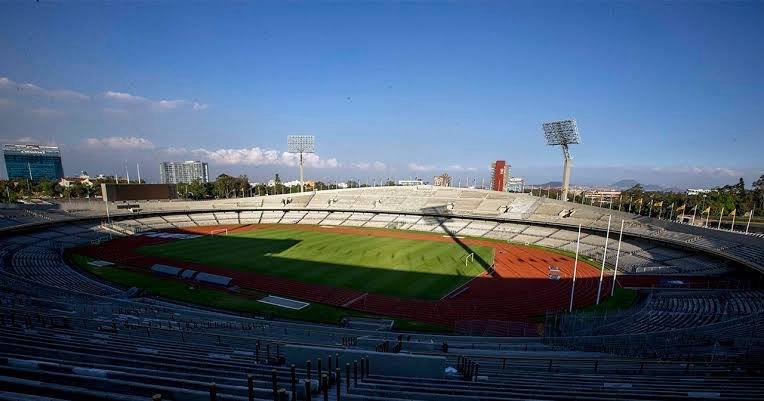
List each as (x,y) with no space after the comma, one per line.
(563,133)
(301,144)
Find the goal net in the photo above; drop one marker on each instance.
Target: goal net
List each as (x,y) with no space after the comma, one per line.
(220,231)
(470,257)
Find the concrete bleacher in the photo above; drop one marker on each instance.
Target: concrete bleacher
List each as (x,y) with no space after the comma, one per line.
(111,346)
(65,336)
(671,310)
(179,360)
(746,249)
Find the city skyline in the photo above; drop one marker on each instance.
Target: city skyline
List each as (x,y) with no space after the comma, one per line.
(390,90)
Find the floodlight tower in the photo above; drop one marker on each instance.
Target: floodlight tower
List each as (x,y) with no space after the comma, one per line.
(563,133)
(301,144)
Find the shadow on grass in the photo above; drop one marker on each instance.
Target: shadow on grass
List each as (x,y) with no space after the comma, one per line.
(424,278)
(441,211)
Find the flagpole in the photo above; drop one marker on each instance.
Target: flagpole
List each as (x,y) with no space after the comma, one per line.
(671,212)
(708,216)
(733,220)
(575,267)
(720,219)
(694,212)
(617,254)
(604,254)
(749,219)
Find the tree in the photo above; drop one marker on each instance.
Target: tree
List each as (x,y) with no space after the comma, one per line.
(196,189)
(740,187)
(225,185)
(46,187)
(758,194)
(242,184)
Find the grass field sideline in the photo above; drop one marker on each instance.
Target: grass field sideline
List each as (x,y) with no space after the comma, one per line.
(219,299)
(391,266)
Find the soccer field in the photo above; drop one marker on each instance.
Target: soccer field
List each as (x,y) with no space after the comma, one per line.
(376,264)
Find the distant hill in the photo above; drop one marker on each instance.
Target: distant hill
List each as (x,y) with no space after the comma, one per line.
(624,184)
(551,184)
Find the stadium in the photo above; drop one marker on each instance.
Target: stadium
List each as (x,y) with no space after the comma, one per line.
(375,293)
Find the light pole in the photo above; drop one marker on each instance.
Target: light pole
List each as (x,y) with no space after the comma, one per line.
(604,255)
(575,267)
(563,133)
(617,254)
(301,144)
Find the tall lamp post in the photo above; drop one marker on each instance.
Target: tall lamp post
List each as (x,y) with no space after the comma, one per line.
(563,133)
(301,144)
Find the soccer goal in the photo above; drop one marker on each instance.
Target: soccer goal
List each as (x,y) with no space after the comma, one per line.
(470,257)
(220,231)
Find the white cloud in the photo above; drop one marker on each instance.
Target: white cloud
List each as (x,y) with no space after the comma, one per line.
(421,167)
(460,168)
(429,167)
(124,97)
(162,104)
(699,171)
(169,104)
(21,140)
(120,143)
(45,112)
(30,88)
(255,157)
(370,166)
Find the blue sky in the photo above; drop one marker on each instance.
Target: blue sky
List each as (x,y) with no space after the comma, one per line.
(665,93)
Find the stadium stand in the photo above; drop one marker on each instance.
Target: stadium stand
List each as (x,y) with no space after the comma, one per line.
(67,336)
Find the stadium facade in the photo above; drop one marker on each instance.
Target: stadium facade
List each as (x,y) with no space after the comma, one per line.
(33,161)
(183,172)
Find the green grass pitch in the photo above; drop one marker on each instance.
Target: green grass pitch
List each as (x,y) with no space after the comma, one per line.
(390,266)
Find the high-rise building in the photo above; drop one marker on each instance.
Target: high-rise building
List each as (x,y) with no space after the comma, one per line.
(500,173)
(33,161)
(183,172)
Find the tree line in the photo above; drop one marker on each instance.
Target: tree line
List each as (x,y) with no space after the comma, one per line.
(726,201)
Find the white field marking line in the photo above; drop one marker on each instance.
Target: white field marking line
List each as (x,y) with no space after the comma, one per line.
(448,236)
(468,282)
(327,226)
(282,305)
(347,304)
(287,299)
(460,287)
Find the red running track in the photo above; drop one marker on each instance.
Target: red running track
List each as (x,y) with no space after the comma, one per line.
(519,287)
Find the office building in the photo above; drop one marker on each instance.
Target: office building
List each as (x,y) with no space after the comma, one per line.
(183,172)
(33,161)
(500,173)
(515,184)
